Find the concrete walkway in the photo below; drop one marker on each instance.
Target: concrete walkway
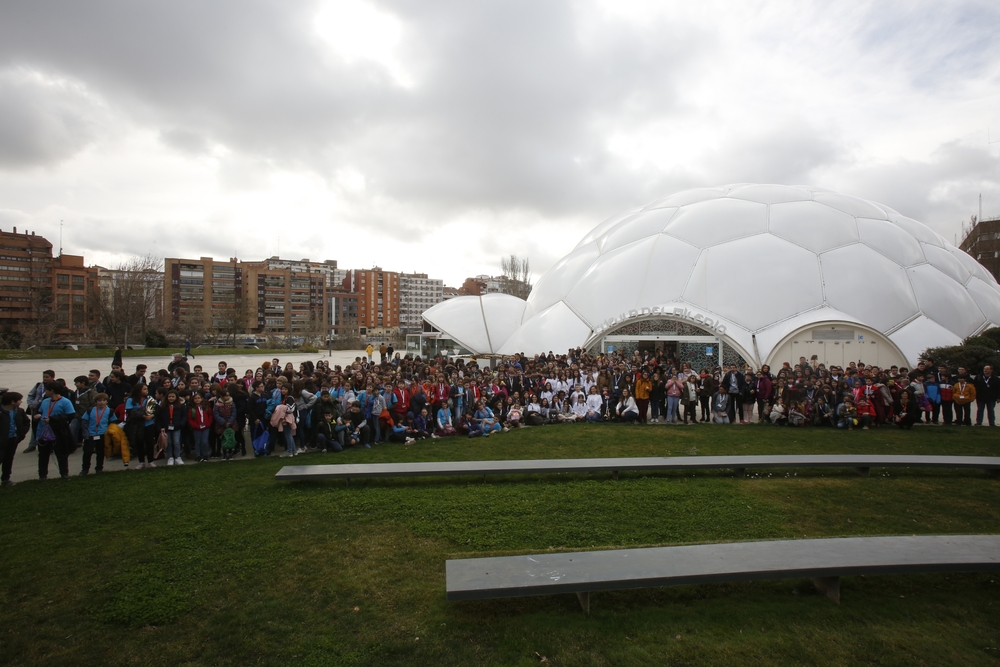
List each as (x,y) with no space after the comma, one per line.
(21,376)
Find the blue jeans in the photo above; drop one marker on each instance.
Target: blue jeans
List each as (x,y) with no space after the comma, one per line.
(173,444)
(289,439)
(329,445)
(201,448)
(672,403)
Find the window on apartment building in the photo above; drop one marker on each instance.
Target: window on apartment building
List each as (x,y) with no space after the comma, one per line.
(62,280)
(78,282)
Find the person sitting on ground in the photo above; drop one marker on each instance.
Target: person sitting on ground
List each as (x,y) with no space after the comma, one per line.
(778,416)
(797,415)
(626,410)
(445,427)
(866,413)
(905,409)
(847,415)
(326,438)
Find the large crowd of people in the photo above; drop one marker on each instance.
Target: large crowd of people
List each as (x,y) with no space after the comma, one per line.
(182,413)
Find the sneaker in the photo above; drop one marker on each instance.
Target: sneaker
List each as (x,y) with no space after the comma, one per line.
(126,466)
(98,471)
(367,446)
(288,454)
(170,461)
(83,473)
(410,441)
(179,461)
(435,436)
(6,482)
(28,449)
(66,477)
(150,465)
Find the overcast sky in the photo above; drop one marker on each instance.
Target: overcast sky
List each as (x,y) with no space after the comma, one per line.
(438,136)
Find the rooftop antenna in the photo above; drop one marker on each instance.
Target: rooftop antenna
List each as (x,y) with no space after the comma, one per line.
(60,237)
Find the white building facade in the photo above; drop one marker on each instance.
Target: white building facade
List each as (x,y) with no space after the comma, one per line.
(762,273)
(417,293)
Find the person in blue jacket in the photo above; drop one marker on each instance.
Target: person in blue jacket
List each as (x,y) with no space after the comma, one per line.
(94,425)
(54,435)
(14,425)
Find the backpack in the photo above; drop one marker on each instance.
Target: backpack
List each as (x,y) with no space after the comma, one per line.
(228,439)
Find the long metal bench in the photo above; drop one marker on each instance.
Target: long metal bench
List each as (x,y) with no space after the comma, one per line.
(823,560)
(860,462)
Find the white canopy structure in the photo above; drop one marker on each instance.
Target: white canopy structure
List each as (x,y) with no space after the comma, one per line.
(772,272)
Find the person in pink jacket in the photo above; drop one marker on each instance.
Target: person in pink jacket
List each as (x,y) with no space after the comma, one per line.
(283,419)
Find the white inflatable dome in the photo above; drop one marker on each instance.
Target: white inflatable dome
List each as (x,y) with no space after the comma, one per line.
(775,271)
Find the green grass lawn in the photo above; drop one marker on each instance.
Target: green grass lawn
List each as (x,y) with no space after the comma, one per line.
(221,565)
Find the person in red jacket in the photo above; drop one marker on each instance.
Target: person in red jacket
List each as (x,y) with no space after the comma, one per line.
(200,419)
(866,413)
(400,402)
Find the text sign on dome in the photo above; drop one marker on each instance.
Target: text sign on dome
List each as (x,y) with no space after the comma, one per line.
(654,311)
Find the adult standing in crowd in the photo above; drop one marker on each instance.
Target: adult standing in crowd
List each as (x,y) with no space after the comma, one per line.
(987,390)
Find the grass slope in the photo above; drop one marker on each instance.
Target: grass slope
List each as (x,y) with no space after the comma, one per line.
(221,565)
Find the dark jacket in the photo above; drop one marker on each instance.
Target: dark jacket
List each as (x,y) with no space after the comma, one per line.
(23,425)
(987,388)
(179,421)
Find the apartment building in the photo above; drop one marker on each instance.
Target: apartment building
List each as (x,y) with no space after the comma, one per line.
(245,297)
(74,286)
(377,300)
(25,278)
(417,293)
(983,244)
(46,297)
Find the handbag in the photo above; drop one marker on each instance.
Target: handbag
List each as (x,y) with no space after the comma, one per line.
(260,440)
(161,445)
(45,433)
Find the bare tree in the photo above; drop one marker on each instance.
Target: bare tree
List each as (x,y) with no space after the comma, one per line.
(128,303)
(233,319)
(515,276)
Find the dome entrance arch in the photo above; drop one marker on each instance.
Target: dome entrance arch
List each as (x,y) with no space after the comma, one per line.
(677,338)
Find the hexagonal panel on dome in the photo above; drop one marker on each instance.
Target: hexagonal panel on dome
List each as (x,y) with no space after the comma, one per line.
(812,225)
(717,221)
(670,264)
(891,241)
(686,197)
(780,289)
(946,262)
(987,296)
(612,283)
(560,279)
(852,274)
(851,205)
(945,301)
(971,265)
(921,334)
(556,328)
(917,230)
(640,226)
(770,194)
(604,226)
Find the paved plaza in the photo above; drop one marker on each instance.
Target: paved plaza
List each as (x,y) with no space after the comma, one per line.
(21,376)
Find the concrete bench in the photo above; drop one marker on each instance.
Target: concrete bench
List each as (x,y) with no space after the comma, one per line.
(863,463)
(823,560)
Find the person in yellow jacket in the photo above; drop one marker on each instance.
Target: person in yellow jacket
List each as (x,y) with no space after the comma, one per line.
(963,393)
(643,386)
(369,351)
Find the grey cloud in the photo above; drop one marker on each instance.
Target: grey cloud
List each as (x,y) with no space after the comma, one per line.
(41,123)
(505,113)
(942,191)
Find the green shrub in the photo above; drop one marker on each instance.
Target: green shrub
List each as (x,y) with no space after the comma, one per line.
(155,339)
(972,357)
